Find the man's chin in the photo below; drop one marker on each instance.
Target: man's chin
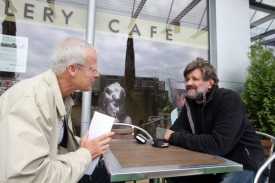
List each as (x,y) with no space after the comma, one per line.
(191,97)
(191,94)
(194,97)
(87,89)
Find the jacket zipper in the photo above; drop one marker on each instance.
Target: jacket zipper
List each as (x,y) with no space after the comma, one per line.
(248,154)
(202,114)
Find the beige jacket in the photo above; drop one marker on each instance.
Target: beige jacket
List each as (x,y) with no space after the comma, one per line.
(29,115)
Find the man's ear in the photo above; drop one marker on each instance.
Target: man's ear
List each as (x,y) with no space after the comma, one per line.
(211,82)
(72,69)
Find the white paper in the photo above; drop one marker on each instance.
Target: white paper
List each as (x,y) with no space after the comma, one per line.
(100,124)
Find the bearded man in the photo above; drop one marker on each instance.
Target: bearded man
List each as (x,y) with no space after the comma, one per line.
(213,121)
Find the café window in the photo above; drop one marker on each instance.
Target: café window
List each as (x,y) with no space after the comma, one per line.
(148,44)
(134,40)
(30,29)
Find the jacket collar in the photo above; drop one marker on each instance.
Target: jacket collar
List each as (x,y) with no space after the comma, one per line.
(61,103)
(211,93)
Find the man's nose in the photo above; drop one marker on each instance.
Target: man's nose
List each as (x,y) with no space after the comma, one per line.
(97,75)
(189,82)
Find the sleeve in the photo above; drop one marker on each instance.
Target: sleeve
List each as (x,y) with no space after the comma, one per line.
(226,125)
(77,139)
(30,154)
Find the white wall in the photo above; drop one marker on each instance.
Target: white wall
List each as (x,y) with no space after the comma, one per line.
(232,42)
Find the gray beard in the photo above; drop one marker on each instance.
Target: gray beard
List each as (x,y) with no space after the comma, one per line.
(196,96)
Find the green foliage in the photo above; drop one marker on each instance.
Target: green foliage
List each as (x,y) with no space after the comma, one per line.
(259,93)
(163,103)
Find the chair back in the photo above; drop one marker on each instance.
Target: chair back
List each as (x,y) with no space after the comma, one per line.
(268,145)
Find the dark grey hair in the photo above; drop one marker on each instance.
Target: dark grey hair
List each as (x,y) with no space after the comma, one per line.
(208,71)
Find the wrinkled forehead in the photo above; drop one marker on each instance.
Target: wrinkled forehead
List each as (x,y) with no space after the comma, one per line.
(91,57)
(194,73)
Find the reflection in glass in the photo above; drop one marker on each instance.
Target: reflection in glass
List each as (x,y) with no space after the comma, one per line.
(7,79)
(8,28)
(130,73)
(177,92)
(111,103)
(142,62)
(155,41)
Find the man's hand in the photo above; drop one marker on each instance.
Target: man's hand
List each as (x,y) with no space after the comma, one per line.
(168,134)
(97,146)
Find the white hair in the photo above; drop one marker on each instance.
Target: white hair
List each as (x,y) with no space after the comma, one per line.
(70,50)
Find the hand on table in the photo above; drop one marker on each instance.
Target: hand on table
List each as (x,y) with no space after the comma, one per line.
(168,134)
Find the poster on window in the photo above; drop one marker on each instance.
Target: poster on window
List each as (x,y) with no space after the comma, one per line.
(13,53)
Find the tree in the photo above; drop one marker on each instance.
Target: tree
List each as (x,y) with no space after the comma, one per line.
(259,88)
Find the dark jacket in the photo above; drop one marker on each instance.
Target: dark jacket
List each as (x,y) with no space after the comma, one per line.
(221,128)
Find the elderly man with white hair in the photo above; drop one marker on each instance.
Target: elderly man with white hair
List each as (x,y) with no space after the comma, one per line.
(36,138)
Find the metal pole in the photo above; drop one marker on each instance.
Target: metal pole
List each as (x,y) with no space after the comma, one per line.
(212,33)
(87,96)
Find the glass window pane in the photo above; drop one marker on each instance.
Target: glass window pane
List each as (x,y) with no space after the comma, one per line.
(141,46)
(262,22)
(166,36)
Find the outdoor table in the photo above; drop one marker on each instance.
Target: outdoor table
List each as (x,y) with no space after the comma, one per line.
(128,160)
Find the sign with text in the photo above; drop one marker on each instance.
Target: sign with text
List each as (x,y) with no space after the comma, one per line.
(61,15)
(41,12)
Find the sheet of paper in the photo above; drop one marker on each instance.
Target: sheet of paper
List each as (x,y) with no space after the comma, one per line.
(100,124)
